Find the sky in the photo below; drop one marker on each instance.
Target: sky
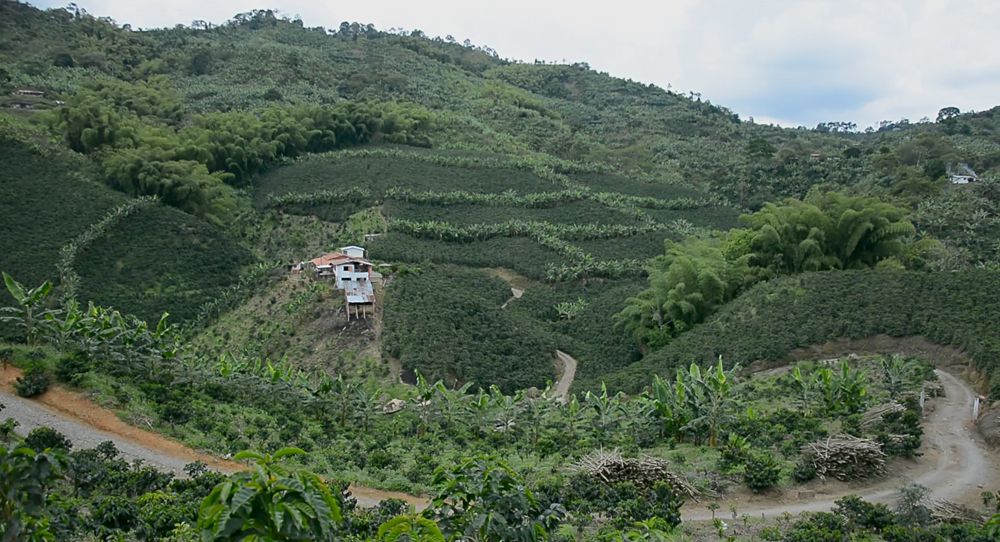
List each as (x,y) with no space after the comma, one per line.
(789,62)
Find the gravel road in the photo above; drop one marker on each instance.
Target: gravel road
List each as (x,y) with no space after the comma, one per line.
(31,415)
(955,465)
(561,388)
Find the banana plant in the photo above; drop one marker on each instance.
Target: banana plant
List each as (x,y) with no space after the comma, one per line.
(366,404)
(806,386)
(572,414)
(453,404)
(638,415)
(852,388)
(479,410)
(508,410)
(668,400)
(605,409)
(719,390)
(31,307)
(66,329)
(424,403)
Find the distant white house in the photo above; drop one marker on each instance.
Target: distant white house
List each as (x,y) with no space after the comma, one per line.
(351,273)
(962,179)
(353,251)
(29,93)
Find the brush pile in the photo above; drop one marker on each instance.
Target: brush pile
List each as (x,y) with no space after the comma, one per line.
(845,457)
(611,468)
(874,414)
(949,512)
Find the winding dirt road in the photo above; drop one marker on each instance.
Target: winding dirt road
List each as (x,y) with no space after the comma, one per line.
(956,465)
(86,425)
(561,388)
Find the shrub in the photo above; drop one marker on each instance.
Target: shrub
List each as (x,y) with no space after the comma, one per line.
(7,428)
(819,527)
(34,381)
(863,514)
(43,438)
(804,471)
(911,509)
(71,367)
(762,472)
(897,533)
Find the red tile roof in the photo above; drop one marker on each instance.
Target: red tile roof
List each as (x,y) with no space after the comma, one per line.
(331,259)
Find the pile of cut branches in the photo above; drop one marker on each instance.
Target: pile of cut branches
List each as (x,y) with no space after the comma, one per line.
(845,457)
(611,468)
(949,512)
(874,414)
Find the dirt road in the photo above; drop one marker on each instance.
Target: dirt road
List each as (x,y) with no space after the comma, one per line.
(561,388)
(86,425)
(956,465)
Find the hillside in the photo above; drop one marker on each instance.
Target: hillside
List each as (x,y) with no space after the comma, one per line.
(522,219)
(559,173)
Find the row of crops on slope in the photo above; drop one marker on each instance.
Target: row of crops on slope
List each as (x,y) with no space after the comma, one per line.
(581,212)
(46,199)
(521,254)
(159,260)
(381,171)
(959,309)
(471,200)
(580,320)
(448,323)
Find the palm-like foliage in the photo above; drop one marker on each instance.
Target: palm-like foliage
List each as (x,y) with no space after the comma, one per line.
(31,307)
(483,499)
(410,528)
(897,372)
(270,502)
(717,386)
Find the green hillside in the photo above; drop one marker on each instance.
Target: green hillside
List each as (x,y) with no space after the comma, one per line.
(47,198)
(558,172)
(517,214)
(769,321)
(160,260)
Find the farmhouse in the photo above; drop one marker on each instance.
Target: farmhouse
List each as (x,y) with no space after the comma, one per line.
(37,93)
(352,274)
(962,179)
(21,105)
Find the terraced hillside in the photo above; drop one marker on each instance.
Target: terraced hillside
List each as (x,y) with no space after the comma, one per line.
(550,222)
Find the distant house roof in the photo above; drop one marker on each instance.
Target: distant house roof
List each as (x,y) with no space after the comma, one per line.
(336,258)
(330,259)
(350,247)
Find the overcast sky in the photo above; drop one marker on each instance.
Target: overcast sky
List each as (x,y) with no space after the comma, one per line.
(784,61)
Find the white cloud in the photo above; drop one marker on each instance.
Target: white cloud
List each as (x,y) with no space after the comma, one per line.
(796,62)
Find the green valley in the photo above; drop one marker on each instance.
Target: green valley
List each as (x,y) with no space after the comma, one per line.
(562,305)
